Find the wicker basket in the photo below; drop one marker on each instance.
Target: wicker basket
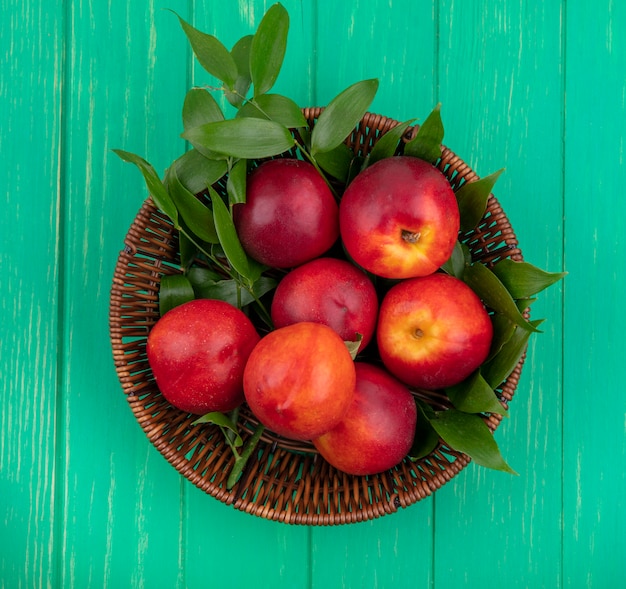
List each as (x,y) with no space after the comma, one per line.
(288,481)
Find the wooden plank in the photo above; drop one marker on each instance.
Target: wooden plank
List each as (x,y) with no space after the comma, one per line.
(30,140)
(121,502)
(594,524)
(223,545)
(501,86)
(394,42)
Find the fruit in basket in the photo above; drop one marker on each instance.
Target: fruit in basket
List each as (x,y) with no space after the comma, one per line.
(329,291)
(399,218)
(377,431)
(197,352)
(299,380)
(290,215)
(433,331)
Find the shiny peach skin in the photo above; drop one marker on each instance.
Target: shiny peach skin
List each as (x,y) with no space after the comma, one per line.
(399,218)
(290,215)
(329,291)
(378,429)
(197,352)
(433,332)
(299,380)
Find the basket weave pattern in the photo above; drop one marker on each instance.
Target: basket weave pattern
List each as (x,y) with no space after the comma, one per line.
(288,481)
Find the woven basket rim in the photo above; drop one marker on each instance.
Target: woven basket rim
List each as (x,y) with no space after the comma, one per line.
(289,482)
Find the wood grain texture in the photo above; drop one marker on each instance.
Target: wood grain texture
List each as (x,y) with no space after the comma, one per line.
(535,87)
(394,42)
(121,503)
(225,547)
(594,516)
(493,59)
(30,270)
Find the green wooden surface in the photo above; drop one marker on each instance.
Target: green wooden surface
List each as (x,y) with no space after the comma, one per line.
(86,501)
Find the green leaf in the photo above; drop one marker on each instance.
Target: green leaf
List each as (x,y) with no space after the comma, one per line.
(268,48)
(246,454)
(156,188)
(197,216)
(427,142)
(494,294)
(175,290)
(199,107)
(426,438)
(236,183)
(211,54)
(230,243)
(469,434)
(341,116)
(244,138)
(274,107)
(472,198)
(224,422)
(496,370)
(387,145)
(195,171)
(474,395)
(241,55)
(522,279)
(336,162)
(455,266)
(353,346)
(188,251)
(228,289)
(502,331)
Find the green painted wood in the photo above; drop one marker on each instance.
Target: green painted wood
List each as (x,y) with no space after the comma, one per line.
(30,250)
(501,83)
(388,551)
(594,417)
(242,547)
(121,503)
(85,500)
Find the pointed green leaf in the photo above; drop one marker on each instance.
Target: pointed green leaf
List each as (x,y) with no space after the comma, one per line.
(236,183)
(268,48)
(522,279)
(502,331)
(175,290)
(387,145)
(241,55)
(188,251)
(201,277)
(224,422)
(336,162)
(341,116)
(353,346)
(274,107)
(199,107)
(426,438)
(455,266)
(211,54)
(155,186)
(229,240)
(472,198)
(494,294)
(496,370)
(426,144)
(469,434)
(195,171)
(474,395)
(243,138)
(228,290)
(197,216)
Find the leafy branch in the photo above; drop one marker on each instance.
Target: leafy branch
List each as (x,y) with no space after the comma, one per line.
(201,187)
